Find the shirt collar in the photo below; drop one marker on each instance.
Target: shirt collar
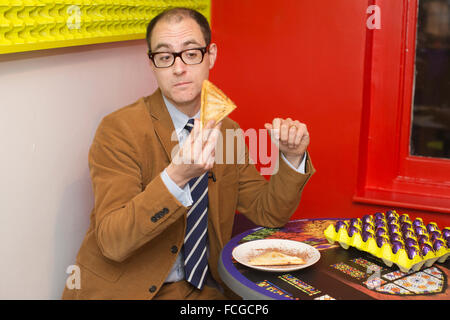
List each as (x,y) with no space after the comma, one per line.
(179,119)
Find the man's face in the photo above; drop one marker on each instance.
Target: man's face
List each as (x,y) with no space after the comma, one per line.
(181,83)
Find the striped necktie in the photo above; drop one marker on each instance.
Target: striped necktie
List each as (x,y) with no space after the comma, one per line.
(195,256)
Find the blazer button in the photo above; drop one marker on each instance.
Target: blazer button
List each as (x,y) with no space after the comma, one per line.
(152,289)
(174,249)
(154,219)
(165,210)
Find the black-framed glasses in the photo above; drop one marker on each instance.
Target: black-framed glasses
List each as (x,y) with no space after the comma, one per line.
(188,56)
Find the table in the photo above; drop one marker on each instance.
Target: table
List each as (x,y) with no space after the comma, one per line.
(339,274)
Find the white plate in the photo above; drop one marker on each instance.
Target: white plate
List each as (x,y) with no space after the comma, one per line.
(244,252)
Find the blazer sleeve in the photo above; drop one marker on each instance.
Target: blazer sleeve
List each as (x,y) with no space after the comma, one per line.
(126,213)
(270,203)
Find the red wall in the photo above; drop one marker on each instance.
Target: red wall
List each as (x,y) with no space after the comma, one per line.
(304,60)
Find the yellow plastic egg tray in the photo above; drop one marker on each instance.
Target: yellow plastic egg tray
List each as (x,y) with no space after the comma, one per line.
(33,25)
(386,252)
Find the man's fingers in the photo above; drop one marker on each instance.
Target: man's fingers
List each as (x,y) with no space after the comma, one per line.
(302,132)
(273,136)
(276,128)
(298,138)
(208,153)
(284,131)
(206,131)
(209,163)
(194,145)
(292,135)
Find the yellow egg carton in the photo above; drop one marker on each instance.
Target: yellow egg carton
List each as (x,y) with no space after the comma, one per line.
(393,238)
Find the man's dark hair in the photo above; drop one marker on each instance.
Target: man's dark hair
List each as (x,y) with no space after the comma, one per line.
(179,14)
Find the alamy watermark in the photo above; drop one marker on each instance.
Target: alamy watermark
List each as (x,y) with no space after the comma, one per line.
(74,18)
(232,149)
(374,20)
(73,281)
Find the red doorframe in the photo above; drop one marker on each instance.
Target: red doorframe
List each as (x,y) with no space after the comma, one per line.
(388,174)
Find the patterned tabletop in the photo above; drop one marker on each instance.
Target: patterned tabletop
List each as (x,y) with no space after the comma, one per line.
(339,274)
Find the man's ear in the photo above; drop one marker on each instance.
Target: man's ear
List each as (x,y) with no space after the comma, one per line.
(212,55)
(151,65)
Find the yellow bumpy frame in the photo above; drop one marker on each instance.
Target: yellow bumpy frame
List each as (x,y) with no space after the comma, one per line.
(33,25)
(385,252)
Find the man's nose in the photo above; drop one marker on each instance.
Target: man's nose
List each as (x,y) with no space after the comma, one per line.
(178,66)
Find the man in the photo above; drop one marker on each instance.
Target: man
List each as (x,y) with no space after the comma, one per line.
(159,223)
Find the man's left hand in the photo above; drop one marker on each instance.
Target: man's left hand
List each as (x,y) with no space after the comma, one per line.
(292,137)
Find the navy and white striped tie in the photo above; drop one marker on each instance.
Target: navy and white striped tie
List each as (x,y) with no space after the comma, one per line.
(195,256)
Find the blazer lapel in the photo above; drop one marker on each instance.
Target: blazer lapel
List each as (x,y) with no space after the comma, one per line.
(163,123)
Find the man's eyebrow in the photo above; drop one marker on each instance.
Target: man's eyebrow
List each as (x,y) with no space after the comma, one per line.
(191,42)
(161,45)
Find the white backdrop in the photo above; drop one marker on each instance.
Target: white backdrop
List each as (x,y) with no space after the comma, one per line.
(51,102)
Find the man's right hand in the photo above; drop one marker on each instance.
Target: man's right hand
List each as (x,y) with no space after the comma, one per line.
(197,155)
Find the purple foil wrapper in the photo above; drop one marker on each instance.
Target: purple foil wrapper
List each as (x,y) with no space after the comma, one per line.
(381,240)
(395,236)
(425,248)
(420,231)
(446,233)
(406,226)
(368,227)
(409,242)
(408,234)
(380,232)
(391,219)
(437,244)
(391,213)
(393,228)
(434,235)
(355,222)
(431,227)
(396,245)
(367,218)
(352,230)
(422,239)
(366,236)
(412,252)
(380,223)
(339,225)
(417,223)
(379,215)
(404,218)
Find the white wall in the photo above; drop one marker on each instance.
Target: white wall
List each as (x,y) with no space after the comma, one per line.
(51,102)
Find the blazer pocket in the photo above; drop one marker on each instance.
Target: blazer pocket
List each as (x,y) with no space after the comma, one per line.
(101,267)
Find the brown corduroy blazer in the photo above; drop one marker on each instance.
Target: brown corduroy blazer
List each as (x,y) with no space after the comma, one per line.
(137,226)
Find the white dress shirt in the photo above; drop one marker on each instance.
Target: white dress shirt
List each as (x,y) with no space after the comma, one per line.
(180,120)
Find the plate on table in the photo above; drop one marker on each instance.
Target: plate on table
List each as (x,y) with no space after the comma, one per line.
(243,253)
